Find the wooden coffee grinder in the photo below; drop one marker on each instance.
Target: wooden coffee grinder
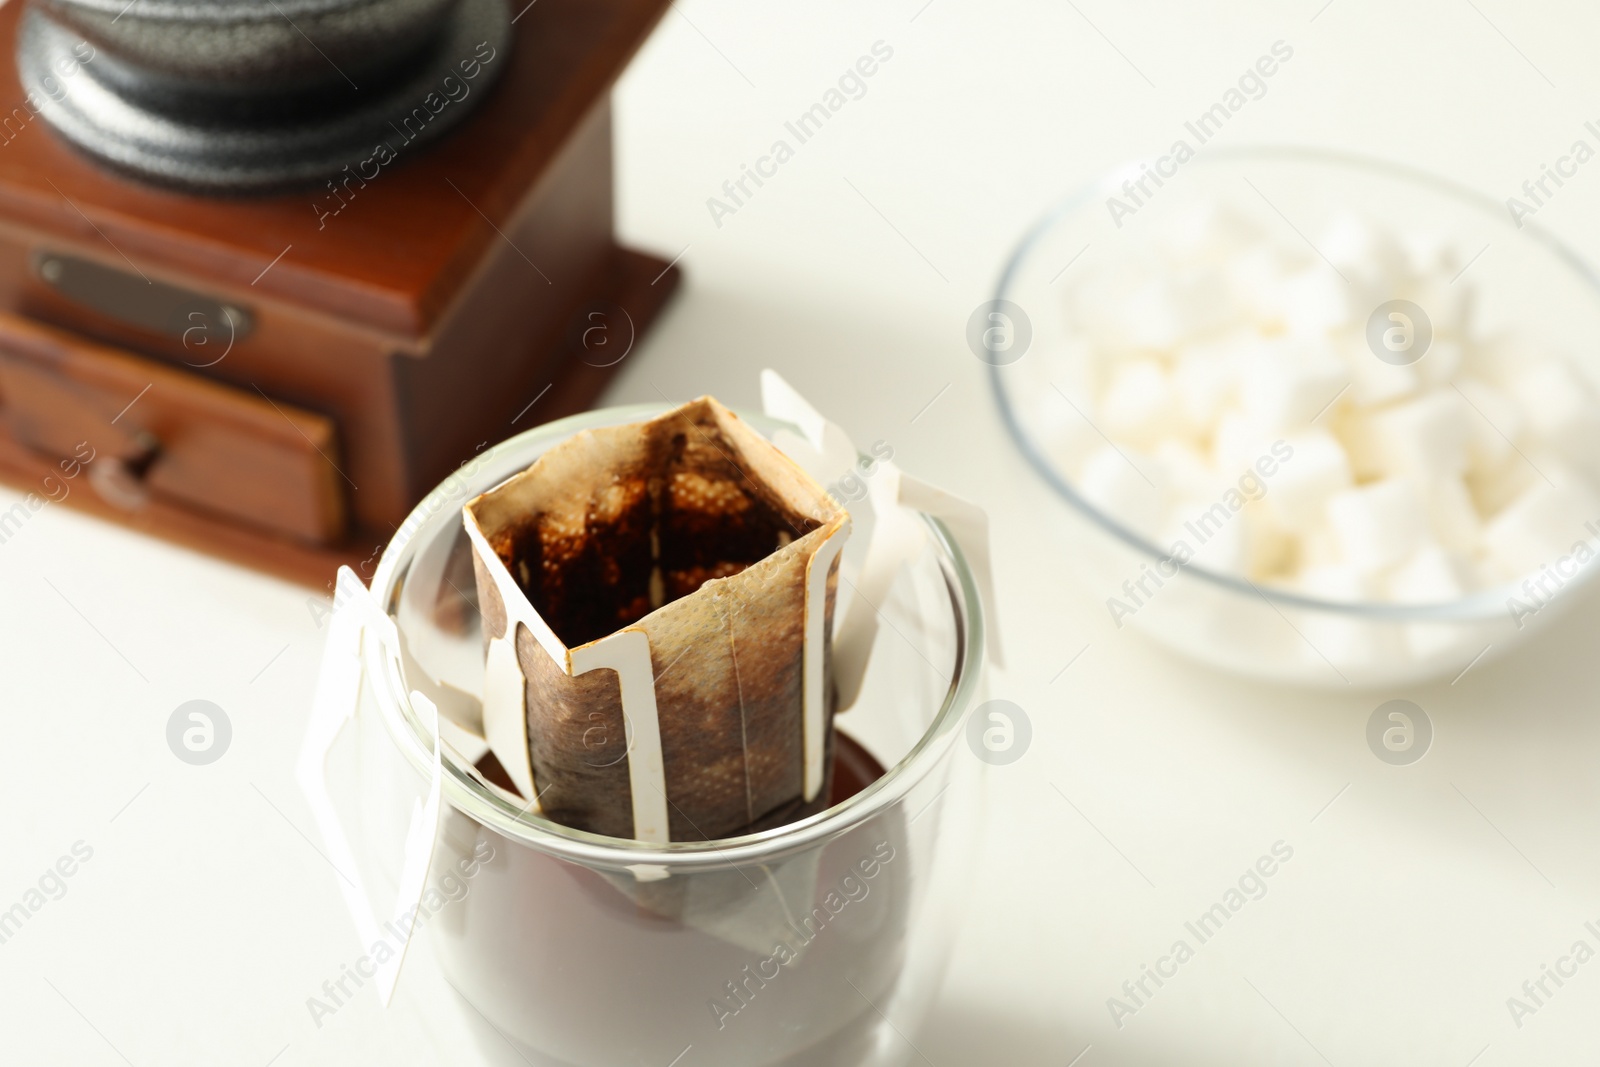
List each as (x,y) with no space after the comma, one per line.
(283,264)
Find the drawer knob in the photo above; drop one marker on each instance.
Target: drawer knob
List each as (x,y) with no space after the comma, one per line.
(120,480)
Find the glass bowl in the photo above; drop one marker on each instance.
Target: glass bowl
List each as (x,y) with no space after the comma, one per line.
(795,945)
(1527,282)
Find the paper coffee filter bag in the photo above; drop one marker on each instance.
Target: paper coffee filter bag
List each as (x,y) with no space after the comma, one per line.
(657,601)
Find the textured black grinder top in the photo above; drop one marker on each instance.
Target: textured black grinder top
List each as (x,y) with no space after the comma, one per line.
(242,96)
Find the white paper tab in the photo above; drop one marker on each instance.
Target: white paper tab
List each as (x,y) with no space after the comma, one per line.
(377,814)
(890,535)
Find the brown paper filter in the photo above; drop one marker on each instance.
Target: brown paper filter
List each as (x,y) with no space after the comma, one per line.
(694,531)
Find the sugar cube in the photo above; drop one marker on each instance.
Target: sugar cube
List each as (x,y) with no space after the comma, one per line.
(1375,382)
(1424,439)
(1494,426)
(1429,576)
(1316,469)
(1287,382)
(1238,442)
(1339,582)
(1138,404)
(1128,487)
(1377,525)
(1205,379)
(1315,302)
(1452,515)
(1561,410)
(1557,510)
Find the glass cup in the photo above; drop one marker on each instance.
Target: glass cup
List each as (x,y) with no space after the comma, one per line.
(819,942)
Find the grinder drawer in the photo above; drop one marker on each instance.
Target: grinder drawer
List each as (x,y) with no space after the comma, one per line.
(162,434)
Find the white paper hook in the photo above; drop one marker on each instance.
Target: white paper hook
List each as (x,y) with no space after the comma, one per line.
(357,618)
(890,535)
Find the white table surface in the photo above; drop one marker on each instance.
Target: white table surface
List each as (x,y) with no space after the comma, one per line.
(1415,903)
